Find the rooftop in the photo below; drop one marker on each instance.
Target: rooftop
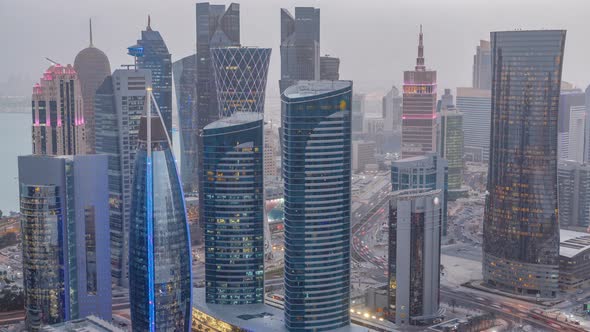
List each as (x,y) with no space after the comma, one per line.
(573,243)
(88,324)
(315,88)
(235,119)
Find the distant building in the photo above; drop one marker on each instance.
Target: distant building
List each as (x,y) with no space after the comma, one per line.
(87,324)
(476,107)
(587,127)
(482,66)
(358,112)
(157,59)
(415,218)
(92,66)
(185,84)
(58,116)
(446,101)
(65,232)
(317,175)
(451,145)
(119,104)
(424,172)
(576,133)
(160,284)
(573,183)
(574,260)
(363,154)
(520,228)
(300,46)
(329,68)
(240,78)
(419,108)
(569,99)
(392,110)
(270,165)
(234,209)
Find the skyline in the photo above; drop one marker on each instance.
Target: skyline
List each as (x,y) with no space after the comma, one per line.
(390,39)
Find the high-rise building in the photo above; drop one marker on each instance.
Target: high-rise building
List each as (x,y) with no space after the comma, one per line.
(392,110)
(240,78)
(446,101)
(158,60)
(363,154)
(587,127)
(92,66)
(419,108)
(216,27)
(482,66)
(234,209)
(65,238)
(300,46)
(573,182)
(58,117)
(476,107)
(520,231)
(270,165)
(415,218)
(329,68)
(451,144)
(316,164)
(119,104)
(185,84)
(358,112)
(423,172)
(160,275)
(569,99)
(576,133)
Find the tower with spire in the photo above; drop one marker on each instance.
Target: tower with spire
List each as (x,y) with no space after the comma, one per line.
(419,123)
(92,66)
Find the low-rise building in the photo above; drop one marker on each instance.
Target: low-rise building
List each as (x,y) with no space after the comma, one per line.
(574,260)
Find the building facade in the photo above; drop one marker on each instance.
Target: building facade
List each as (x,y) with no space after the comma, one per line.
(520,232)
(482,66)
(476,107)
(65,238)
(316,172)
(185,84)
(329,68)
(569,99)
(119,104)
(451,145)
(415,218)
(576,134)
(363,154)
(573,182)
(392,110)
(158,60)
(234,209)
(358,112)
(240,78)
(300,46)
(92,66)
(419,108)
(58,113)
(160,278)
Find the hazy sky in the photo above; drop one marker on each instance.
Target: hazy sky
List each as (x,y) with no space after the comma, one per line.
(375,39)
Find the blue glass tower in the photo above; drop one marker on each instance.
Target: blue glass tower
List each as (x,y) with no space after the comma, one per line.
(233,196)
(159,244)
(152,54)
(316,171)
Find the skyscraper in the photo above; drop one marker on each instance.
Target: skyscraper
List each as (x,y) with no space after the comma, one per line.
(573,182)
(119,104)
(159,245)
(358,113)
(392,110)
(317,169)
(65,236)
(240,78)
(415,218)
(300,46)
(185,80)
(476,107)
(482,66)
(58,117)
(419,108)
(520,232)
(576,133)
(157,59)
(270,166)
(587,127)
(234,209)
(569,99)
(216,27)
(423,172)
(329,68)
(92,66)
(451,144)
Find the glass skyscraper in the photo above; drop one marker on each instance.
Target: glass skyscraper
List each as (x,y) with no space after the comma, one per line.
(234,209)
(451,144)
(157,59)
(159,245)
(65,238)
(316,126)
(240,78)
(521,233)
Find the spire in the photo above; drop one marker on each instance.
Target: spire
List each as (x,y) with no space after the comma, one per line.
(149,27)
(420,58)
(90,23)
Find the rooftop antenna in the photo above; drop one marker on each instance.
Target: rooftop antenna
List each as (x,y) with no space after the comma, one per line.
(149,26)
(90,23)
(55,63)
